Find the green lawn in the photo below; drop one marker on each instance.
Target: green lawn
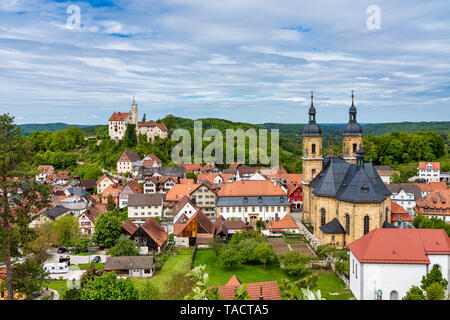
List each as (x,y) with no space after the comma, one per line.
(331,283)
(174,264)
(84,266)
(328,282)
(246,273)
(58,285)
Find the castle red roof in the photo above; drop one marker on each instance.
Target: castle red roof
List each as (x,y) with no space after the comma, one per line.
(118,116)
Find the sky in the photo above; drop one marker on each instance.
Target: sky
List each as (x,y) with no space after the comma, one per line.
(252,61)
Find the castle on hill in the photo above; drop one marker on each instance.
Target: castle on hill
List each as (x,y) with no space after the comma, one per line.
(119,121)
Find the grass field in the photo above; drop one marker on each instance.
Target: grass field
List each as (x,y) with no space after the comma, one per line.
(328,282)
(174,264)
(84,266)
(58,285)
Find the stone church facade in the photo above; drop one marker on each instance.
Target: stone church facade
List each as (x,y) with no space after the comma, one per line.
(344,197)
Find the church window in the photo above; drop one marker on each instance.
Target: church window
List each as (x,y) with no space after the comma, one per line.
(313,172)
(313,148)
(347,224)
(322,217)
(394,295)
(366,224)
(354,147)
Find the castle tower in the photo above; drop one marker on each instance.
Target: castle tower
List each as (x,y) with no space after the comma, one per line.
(352,137)
(312,158)
(134,113)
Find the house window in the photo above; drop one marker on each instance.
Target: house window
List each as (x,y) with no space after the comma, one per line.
(366,224)
(322,217)
(347,224)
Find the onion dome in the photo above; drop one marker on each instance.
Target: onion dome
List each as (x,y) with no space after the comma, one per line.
(352,128)
(312,128)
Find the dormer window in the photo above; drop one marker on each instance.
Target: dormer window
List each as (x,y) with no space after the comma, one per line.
(260,199)
(365,188)
(245,200)
(281,199)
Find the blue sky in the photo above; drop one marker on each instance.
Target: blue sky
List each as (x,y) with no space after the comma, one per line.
(253,61)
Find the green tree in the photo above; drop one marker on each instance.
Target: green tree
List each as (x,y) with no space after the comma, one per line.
(29,278)
(228,256)
(109,287)
(415,293)
(107,229)
(130,137)
(45,238)
(434,276)
(435,291)
(264,252)
(67,231)
(17,178)
(242,293)
(149,291)
(92,272)
(72,294)
(111,204)
(123,247)
(201,290)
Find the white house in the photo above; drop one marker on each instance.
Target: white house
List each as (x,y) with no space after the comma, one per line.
(144,206)
(386,263)
(429,171)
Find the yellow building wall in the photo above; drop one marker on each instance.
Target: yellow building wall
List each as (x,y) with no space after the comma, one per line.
(347,147)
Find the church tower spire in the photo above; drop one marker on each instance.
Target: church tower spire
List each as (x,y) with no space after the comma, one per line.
(352,136)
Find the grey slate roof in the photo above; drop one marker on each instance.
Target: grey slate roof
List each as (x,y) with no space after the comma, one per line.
(127,263)
(387,225)
(147,199)
(332,227)
(164,171)
(408,188)
(252,201)
(55,212)
(347,182)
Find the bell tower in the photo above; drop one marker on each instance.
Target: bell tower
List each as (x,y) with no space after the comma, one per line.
(312,158)
(352,137)
(134,113)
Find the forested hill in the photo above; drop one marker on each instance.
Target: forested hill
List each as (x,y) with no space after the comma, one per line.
(27,129)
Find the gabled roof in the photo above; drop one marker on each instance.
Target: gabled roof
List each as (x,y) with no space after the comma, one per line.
(396,208)
(200,218)
(129,227)
(285,223)
(182,203)
(191,167)
(432,186)
(88,184)
(145,199)
(410,246)
(251,188)
(407,188)
(114,180)
(152,124)
(155,231)
(132,262)
(118,116)
(163,171)
(267,290)
(113,190)
(178,191)
(55,212)
(333,227)
(210,177)
(93,212)
(129,156)
(436,200)
(435,165)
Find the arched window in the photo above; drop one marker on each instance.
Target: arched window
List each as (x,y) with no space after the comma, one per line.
(366,224)
(347,224)
(313,172)
(322,217)
(386,215)
(394,295)
(354,147)
(313,148)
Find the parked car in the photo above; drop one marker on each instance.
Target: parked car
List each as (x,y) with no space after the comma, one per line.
(61,250)
(65,259)
(97,259)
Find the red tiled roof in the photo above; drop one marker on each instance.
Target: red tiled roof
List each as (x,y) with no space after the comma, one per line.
(152,124)
(118,116)
(423,165)
(436,200)
(408,246)
(267,290)
(432,186)
(396,208)
(191,167)
(211,176)
(285,223)
(178,191)
(129,227)
(200,218)
(251,188)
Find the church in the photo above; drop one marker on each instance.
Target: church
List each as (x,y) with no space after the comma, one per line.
(119,121)
(344,197)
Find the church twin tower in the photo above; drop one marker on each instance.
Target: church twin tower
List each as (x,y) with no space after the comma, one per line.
(312,157)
